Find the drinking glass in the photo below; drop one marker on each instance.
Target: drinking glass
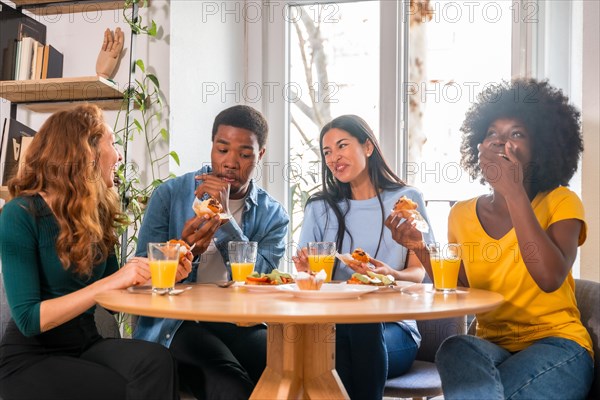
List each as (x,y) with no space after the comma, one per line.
(242,257)
(163,259)
(321,256)
(445,263)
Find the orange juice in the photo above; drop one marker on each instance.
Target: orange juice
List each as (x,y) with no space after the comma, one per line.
(239,271)
(163,273)
(319,262)
(445,272)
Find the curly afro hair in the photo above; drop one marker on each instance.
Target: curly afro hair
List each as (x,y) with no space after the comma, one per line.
(554,125)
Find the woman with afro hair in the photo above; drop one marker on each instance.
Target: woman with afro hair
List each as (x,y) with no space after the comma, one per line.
(523,139)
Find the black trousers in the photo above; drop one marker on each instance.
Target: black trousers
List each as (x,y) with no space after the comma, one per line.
(219,360)
(74,362)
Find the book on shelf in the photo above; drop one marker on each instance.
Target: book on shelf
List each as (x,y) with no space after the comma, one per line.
(16,138)
(14,26)
(52,63)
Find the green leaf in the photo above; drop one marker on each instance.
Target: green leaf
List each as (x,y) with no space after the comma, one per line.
(141,65)
(138,125)
(165,134)
(154,80)
(175,156)
(153,29)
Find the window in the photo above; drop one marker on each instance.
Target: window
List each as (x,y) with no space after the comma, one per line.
(373,64)
(330,46)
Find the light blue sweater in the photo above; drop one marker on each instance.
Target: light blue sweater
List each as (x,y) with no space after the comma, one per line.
(364,221)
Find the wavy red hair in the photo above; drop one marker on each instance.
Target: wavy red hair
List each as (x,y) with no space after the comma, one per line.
(62,162)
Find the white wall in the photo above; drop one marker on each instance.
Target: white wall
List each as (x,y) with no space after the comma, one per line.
(79,37)
(208,67)
(590,265)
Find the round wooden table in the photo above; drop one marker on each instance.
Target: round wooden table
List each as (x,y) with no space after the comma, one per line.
(301,332)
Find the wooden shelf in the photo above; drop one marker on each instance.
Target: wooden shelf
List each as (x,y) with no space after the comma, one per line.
(4,194)
(51,7)
(48,95)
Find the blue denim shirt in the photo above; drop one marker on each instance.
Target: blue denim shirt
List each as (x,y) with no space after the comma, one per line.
(264,220)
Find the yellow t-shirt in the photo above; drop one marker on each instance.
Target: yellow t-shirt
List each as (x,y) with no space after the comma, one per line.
(528,313)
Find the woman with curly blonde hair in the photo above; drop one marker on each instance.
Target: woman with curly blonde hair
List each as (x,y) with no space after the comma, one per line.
(57,240)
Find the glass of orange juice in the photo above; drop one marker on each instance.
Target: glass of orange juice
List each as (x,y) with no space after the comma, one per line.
(445,263)
(321,256)
(163,259)
(242,257)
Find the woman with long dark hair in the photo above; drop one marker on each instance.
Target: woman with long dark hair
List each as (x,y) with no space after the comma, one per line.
(359,192)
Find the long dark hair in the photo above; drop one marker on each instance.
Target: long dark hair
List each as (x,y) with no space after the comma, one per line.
(334,192)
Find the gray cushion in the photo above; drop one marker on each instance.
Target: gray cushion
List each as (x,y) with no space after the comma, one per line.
(588,302)
(422,380)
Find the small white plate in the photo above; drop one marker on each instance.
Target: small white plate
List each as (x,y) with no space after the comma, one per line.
(263,288)
(396,287)
(329,291)
(428,289)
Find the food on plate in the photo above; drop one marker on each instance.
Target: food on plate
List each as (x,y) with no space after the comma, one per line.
(183,247)
(371,278)
(360,255)
(274,277)
(310,280)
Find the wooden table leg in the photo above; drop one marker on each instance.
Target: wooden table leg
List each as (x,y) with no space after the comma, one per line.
(300,364)
(321,380)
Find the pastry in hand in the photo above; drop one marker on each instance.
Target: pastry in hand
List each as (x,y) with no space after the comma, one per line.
(210,206)
(405,204)
(183,247)
(407,208)
(360,255)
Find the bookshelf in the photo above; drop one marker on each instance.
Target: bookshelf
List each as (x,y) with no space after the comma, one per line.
(49,7)
(4,193)
(49,95)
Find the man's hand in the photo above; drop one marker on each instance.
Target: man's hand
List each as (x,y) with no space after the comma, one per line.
(110,53)
(200,230)
(216,188)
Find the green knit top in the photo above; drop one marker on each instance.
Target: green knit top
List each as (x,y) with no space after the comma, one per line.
(31,269)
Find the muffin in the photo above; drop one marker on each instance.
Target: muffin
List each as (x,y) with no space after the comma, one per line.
(310,281)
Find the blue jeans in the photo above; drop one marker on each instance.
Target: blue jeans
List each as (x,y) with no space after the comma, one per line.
(401,349)
(551,368)
(361,359)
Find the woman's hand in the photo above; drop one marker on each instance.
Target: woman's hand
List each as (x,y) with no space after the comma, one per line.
(200,231)
(301,260)
(405,233)
(382,268)
(135,272)
(502,170)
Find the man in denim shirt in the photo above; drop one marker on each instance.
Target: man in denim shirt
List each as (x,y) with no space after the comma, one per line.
(217,360)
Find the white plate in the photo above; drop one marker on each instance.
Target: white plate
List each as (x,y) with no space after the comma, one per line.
(329,291)
(398,286)
(427,289)
(263,288)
